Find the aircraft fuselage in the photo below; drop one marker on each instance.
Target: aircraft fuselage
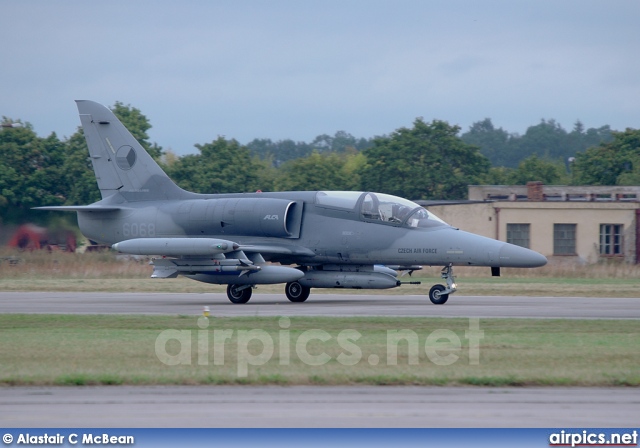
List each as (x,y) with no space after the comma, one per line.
(293,220)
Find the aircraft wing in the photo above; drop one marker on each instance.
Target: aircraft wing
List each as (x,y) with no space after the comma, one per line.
(176,247)
(218,261)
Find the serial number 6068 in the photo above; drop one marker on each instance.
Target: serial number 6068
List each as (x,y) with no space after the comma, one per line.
(139,229)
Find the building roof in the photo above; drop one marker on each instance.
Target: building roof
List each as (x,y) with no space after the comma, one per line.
(538,192)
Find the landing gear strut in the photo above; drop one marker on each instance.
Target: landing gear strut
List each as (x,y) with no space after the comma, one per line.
(439,294)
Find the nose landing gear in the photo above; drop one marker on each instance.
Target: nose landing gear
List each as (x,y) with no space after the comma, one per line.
(439,294)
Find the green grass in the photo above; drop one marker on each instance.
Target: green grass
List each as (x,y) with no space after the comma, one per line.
(74,350)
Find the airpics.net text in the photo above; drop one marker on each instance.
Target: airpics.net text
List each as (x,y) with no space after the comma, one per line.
(256,347)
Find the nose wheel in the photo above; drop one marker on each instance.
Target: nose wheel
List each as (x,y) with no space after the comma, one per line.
(439,294)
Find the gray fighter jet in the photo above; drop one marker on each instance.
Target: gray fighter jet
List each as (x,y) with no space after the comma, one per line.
(305,239)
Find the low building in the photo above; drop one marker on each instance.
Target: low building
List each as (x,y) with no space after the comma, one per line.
(586,224)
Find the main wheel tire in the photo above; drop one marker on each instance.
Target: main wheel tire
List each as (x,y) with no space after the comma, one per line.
(436,296)
(236,295)
(296,292)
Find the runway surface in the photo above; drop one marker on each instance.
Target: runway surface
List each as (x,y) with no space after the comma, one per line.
(320,305)
(348,406)
(273,406)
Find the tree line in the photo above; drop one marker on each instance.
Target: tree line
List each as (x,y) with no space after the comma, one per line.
(429,160)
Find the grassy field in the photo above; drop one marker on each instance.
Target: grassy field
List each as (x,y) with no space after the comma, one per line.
(83,350)
(41,271)
(80,350)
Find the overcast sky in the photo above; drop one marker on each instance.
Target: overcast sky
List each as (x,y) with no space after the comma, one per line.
(297,69)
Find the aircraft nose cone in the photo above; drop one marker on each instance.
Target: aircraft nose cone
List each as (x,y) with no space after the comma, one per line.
(519,257)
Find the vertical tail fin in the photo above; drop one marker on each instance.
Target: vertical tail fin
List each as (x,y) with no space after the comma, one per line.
(120,163)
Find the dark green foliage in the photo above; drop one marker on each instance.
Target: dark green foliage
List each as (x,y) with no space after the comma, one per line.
(286,150)
(428,161)
(278,152)
(615,163)
(223,166)
(546,140)
(31,172)
(493,143)
(534,168)
(330,171)
(340,142)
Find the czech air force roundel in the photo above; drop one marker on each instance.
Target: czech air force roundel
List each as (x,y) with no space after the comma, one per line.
(126,157)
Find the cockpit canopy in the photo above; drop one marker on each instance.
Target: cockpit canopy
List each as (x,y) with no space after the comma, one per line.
(380,207)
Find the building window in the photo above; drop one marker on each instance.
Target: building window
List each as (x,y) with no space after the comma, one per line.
(518,234)
(610,239)
(564,239)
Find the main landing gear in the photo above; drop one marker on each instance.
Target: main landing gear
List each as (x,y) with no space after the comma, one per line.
(242,293)
(296,292)
(439,294)
(239,293)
